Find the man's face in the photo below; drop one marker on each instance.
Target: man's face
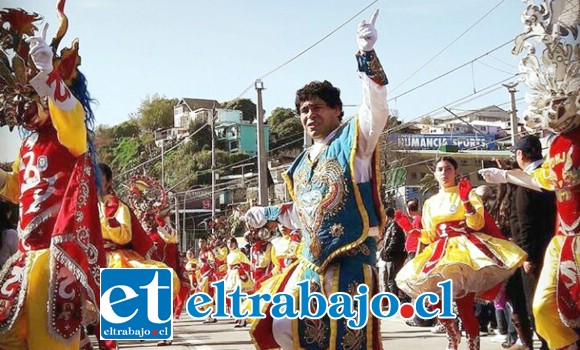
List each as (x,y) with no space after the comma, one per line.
(318,119)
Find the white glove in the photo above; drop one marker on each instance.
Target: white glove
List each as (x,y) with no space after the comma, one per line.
(366,34)
(40,52)
(494,175)
(256,217)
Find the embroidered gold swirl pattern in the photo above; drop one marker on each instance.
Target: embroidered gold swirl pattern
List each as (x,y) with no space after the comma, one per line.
(315,330)
(353,339)
(320,198)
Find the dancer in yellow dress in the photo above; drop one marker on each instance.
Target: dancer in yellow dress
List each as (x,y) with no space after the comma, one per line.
(238,273)
(284,249)
(126,243)
(46,284)
(457,250)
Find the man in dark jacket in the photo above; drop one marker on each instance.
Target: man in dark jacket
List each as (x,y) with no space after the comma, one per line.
(393,252)
(532,222)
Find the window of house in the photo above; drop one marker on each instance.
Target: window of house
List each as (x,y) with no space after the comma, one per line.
(234,145)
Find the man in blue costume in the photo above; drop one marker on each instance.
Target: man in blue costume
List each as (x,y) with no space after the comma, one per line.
(335,190)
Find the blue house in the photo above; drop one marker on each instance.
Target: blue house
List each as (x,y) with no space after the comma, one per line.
(239,135)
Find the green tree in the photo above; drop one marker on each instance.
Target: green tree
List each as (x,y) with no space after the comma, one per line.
(104,142)
(180,168)
(126,154)
(128,128)
(155,112)
(202,138)
(245,105)
(284,126)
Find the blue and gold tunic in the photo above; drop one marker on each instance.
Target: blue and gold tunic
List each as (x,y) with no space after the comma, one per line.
(336,252)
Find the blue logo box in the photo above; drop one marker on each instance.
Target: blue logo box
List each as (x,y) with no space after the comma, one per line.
(136,304)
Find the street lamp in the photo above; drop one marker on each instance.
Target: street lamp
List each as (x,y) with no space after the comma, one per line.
(514,117)
(262,167)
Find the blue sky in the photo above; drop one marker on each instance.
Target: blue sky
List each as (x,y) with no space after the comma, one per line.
(215,49)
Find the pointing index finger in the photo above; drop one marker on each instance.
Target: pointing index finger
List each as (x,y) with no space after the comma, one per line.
(374,17)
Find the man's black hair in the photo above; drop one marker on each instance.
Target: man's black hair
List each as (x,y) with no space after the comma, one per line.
(105,169)
(323,90)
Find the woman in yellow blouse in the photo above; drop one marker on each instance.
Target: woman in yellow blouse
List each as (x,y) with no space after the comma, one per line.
(284,249)
(457,250)
(238,273)
(238,269)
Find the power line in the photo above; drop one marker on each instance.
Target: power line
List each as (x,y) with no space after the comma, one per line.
(308,48)
(502,61)
(448,45)
(492,67)
(450,71)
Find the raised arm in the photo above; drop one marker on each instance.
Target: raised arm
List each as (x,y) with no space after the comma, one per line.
(373,113)
(66,112)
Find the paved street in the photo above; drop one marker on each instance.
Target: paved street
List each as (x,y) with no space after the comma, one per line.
(193,335)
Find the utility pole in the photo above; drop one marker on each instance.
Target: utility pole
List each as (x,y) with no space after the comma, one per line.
(177,226)
(162,160)
(514,117)
(262,167)
(212,126)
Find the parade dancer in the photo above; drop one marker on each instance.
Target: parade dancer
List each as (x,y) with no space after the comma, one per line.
(284,249)
(150,202)
(238,274)
(336,203)
(185,286)
(46,287)
(125,241)
(205,272)
(191,268)
(261,257)
(220,253)
(554,104)
(457,250)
